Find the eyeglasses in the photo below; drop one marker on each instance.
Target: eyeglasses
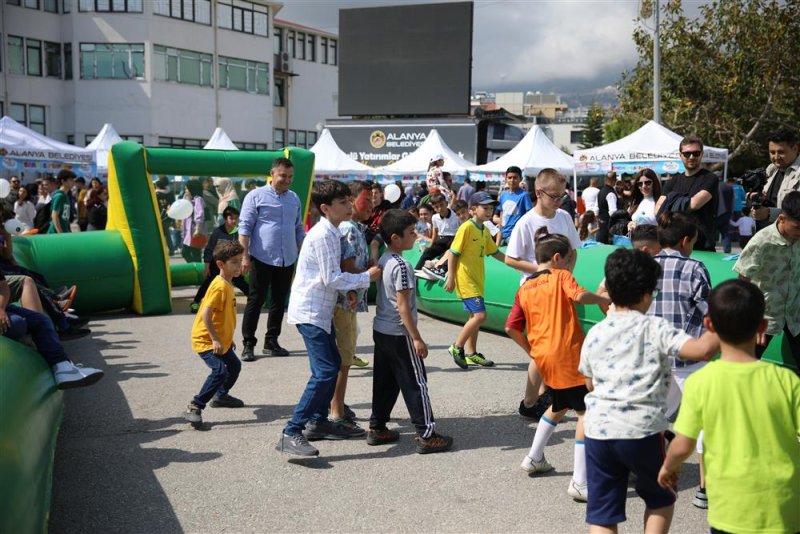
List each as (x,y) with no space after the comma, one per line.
(692,154)
(645,182)
(554,198)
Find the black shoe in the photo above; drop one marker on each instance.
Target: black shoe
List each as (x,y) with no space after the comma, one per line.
(194,416)
(325,429)
(226,401)
(272,348)
(435,443)
(382,436)
(536,411)
(73,333)
(349,413)
(78,322)
(247,353)
(297,445)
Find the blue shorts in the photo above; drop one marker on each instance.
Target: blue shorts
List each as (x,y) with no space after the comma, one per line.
(474,304)
(608,466)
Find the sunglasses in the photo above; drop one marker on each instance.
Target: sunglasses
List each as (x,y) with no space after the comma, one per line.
(554,198)
(692,154)
(645,182)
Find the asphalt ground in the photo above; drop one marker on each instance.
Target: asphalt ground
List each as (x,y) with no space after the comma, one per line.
(127,461)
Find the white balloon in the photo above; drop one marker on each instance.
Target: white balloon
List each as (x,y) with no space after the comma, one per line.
(5,187)
(392,193)
(180,209)
(14,227)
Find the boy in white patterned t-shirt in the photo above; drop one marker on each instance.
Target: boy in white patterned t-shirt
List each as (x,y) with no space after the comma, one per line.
(625,359)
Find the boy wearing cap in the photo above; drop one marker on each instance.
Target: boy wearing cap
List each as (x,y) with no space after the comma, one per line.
(466,274)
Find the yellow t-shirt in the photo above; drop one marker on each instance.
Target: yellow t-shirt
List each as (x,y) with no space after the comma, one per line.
(472,242)
(222,302)
(750,415)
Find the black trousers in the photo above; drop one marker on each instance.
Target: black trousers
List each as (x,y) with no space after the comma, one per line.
(794,346)
(602,232)
(397,369)
(263,278)
(239,282)
(437,248)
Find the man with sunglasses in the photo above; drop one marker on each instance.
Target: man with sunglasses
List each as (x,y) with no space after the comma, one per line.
(696,191)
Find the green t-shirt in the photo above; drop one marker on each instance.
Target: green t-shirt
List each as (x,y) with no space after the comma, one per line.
(750,414)
(60,204)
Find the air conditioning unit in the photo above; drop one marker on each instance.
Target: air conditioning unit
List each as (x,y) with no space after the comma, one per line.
(286,65)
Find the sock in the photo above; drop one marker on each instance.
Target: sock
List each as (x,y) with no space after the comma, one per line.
(579,466)
(544,430)
(458,348)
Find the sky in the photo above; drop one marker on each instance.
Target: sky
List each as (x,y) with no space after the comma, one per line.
(546,45)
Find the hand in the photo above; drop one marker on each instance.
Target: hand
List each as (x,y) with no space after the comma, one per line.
(668,479)
(761,338)
(374,273)
(450,284)
(352,299)
(761,214)
(245,263)
(217,347)
(5,322)
(206,270)
(421,349)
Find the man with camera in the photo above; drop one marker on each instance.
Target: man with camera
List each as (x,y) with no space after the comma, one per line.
(783,176)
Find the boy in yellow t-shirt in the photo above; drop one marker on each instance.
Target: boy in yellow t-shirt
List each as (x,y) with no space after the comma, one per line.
(466,274)
(751,452)
(212,335)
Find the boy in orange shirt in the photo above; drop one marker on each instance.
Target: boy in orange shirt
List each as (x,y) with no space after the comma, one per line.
(555,338)
(212,335)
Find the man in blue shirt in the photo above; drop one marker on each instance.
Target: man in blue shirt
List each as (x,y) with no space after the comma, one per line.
(514,203)
(271,231)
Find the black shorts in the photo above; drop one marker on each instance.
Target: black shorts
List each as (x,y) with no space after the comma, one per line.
(570,398)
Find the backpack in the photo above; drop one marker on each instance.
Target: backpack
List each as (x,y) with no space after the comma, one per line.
(42,219)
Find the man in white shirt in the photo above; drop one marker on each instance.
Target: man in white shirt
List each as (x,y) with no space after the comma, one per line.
(589,196)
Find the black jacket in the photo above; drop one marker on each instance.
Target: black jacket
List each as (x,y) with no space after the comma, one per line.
(219,233)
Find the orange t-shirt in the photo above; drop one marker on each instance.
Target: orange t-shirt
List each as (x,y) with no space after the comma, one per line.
(554,331)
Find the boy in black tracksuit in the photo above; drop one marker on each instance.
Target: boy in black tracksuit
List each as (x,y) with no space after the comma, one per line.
(227,231)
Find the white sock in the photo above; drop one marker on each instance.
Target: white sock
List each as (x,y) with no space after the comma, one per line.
(579,466)
(544,430)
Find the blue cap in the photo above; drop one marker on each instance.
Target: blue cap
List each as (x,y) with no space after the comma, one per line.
(481,197)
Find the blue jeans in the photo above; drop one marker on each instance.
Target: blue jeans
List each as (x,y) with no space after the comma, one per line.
(224,373)
(41,330)
(324,360)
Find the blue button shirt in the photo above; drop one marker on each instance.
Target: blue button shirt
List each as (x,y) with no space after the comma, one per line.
(274,225)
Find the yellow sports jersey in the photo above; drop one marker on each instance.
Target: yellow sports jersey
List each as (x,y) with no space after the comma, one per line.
(220,299)
(472,242)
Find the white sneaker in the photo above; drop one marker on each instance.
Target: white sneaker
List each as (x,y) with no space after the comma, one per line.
(579,492)
(67,375)
(532,467)
(419,273)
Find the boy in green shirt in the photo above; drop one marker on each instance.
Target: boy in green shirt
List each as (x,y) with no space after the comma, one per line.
(60,203)
(752,455)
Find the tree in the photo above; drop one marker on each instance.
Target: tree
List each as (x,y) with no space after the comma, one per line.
(592,133)
(731,75)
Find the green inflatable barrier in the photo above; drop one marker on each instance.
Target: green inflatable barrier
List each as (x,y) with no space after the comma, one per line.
(186,274)
(30,415)
(502,283)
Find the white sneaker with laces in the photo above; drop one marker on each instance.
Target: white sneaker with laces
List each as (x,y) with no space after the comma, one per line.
(68,375)
(531,467)
(579,492)
(422,274)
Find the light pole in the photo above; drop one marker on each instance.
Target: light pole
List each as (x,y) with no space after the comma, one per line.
(656,66)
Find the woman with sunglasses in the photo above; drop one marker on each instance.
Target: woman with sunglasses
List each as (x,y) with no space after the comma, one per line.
(647,190)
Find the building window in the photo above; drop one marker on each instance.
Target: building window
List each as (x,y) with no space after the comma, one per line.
(111,61)
(51,6)
(180,142)
(278,138)
(70,139)
(311,49)
(332,54)
(251,146)
(32,4)
(111,6)
(16,55)
(277,40)
(243,75)
(323,48)
(301,138)
(19,113)
(13,2)
(182,66)
(66,6)
(241,16)
(52,59)
(135,138)
(279,98)
(33,57)
(36,121)
(576,137)
(300,45)
(312,139)
(292,137)
(67,61)
(290,43)
(191,10)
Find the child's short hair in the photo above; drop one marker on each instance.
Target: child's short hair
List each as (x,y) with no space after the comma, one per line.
(426,206)
(548,245)
(630,274)
(791,205)
(228,211)
(673,227)
(327,191)
(736,308)
(436,198)
(548,177)
(226,250)
(644,232)
(514,169)
(395,222)
(282,162)
(64,175)
(460,205)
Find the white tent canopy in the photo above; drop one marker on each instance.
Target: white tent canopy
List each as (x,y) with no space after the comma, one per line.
(532,154)
(220,141)
(331,161)
(102,143)
(19,142)
(416,163)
